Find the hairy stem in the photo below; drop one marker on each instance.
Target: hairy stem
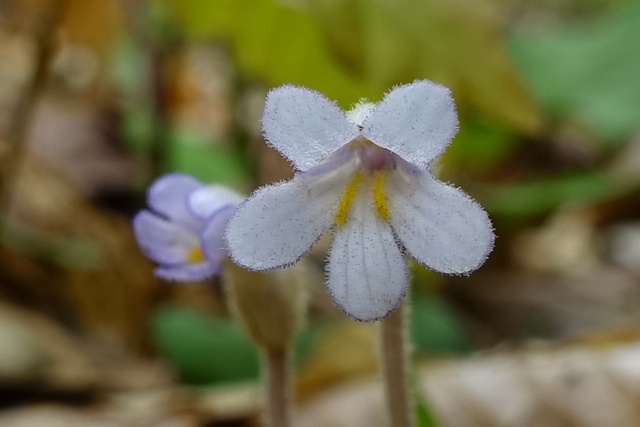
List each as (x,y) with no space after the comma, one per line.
(394,365)
(275,368)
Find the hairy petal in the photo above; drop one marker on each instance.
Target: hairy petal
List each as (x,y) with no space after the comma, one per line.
(168,196)
(163,241)
(367,274)
(439,225)
(416,121)
(304,125)
(280,222)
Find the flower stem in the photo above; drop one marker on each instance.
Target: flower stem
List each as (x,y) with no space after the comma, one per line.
(394,366)
(275,368)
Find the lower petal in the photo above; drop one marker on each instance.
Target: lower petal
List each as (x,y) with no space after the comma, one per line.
(367,274)
(439,225)
(279,223)
(163,241)
(188,272)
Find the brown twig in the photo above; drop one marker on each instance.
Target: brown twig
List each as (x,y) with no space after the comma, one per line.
(16,137)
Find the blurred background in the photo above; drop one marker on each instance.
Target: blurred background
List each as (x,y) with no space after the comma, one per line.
(99,97)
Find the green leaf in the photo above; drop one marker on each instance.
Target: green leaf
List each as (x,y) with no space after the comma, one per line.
(210,161)
(479,145)
(203,349)
(455,42)
(435,328)
(545,194)
(271,41)
(424,416)
(587,72)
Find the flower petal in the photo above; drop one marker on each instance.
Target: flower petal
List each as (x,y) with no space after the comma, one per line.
(212,235)
(168,196)
(188,272)
(207,200)
(163,241)
(279,223)
(415,121)
(439,225)
(367,274)
(304,125)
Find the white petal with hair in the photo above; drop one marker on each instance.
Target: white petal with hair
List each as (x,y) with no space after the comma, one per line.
(304,125)
(280,222)
(366,274)
(439,225)
(416,121)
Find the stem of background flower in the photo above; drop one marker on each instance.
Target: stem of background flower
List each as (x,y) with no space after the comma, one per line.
(275,371)
(394,365)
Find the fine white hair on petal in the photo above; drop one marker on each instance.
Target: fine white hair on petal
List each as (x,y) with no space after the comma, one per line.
(439,225)
(360,112)
(206,201)
(212,234)
(304,125)
(367,273)
(279,223)
(163,241)
(168,196)
(416,121)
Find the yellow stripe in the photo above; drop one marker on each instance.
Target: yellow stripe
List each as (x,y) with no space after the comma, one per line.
(379,194)
(342,212)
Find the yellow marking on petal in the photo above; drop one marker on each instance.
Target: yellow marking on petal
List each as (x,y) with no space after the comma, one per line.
(342,212)
(380,200)
(195,255)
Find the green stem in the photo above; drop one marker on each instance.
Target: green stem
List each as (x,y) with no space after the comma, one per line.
(394,366)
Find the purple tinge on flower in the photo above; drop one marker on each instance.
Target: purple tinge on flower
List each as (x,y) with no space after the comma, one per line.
(365,174)
(183,230)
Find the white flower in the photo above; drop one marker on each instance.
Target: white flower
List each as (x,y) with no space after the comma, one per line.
(366,175)
(183,230)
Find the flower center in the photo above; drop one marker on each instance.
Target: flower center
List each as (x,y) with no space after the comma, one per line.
(195,255)
(374,166)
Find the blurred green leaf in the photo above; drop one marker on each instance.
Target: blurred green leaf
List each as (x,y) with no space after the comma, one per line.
(271,41)
(545,194)
(589,71)
(206,160)
(478,146)
(458,43)
(435,328)
(350,49)
(204,349)
(424,416)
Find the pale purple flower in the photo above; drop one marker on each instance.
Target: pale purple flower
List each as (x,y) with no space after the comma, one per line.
(366,175)
(183,230)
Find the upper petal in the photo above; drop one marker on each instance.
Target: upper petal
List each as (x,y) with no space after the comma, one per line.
(280,222)
(163,241)
(439,225)
(416,121)
(207,200)
(367,274)
(304,125)
(168,196)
